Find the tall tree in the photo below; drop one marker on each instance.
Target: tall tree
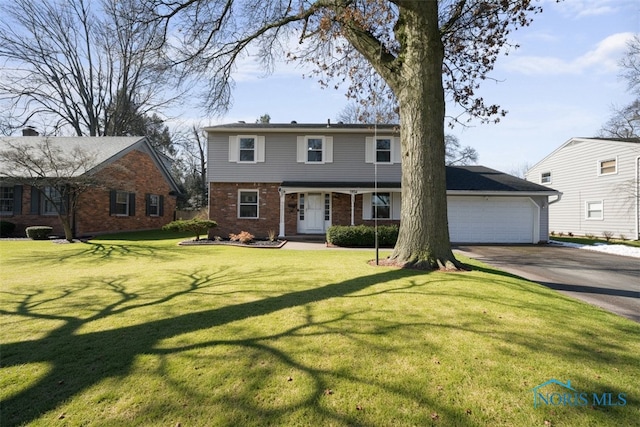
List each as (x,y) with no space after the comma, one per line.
(625,121)
(407,45)
(192,144)
(90,66)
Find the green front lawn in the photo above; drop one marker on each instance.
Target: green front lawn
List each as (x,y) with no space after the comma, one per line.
(134,330)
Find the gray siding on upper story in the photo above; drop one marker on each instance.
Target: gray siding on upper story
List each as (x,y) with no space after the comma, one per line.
(280,161)
(574,169)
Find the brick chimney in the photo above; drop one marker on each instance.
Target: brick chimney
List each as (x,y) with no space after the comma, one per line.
(30,131)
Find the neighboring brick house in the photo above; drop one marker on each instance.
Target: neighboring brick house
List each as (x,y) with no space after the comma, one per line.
(137,190)
(296,179)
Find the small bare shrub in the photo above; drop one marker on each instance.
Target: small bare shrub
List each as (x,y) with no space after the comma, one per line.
(590,236)
(553,233)
(242,237)
(272,235)
(623,237)
(607,235)
(570,234)
(561,233)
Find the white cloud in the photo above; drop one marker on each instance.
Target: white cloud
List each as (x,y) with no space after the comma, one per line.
(603,58)
(589,8)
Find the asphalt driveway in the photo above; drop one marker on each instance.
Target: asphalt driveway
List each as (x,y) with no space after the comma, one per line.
(611,282)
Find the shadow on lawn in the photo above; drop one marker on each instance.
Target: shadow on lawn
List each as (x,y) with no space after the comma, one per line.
(79,360)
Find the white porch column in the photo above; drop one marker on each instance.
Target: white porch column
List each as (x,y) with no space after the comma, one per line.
(282,194)
(353,206)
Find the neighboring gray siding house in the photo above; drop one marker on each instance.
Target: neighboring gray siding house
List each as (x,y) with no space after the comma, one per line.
(599,182)
(293,179)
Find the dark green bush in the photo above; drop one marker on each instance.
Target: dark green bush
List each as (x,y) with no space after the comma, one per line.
(362,235)
(196,226)
(39,232)
(6,228)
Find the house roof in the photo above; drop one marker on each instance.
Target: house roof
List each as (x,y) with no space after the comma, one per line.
(612,142)
(297,127)
(460,179)
(104,151)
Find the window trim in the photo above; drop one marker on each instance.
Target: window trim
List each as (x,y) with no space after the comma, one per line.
(255,148)
(257,203)
(11,201)
(307,149)
(159,207)
(57,202)
(376,150)
(615,166)
(130,205)
(587,210)
(548,175)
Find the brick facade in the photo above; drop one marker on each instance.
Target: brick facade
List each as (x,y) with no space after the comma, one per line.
(135,172)
(223,208)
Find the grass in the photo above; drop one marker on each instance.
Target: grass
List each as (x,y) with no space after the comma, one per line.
(132,330)
(595,240)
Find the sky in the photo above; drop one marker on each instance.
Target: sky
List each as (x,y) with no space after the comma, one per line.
(561,83)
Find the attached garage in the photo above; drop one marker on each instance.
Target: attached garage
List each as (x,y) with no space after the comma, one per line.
(493,219)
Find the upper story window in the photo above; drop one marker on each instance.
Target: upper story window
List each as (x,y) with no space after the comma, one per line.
(6,200)
(382,150)
(246,148)
(248,204)
(545,178)
(315,149)
(607,167)
(247,145)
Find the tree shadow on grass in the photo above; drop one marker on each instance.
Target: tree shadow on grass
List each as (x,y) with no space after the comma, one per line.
(77,361)
(80,359)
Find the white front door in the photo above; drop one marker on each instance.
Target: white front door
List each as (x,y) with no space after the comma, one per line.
(315,213)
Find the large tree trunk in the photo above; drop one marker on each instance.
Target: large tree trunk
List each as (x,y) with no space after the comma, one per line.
(423,241)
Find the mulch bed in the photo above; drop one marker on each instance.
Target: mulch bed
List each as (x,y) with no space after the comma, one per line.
(265,244)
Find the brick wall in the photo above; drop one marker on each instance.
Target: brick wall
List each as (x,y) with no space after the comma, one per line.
(223,208)
(135,172)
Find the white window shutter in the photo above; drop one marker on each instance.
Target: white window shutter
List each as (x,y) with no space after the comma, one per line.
(302,150)
(328,149)
(260,149)
(396,152)
(369,150)
(366,206)
(396,205)
(233,148)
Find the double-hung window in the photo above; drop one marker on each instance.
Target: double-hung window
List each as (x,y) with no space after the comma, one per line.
(247,146)
(51,201)
(383,150)
(248,204)
(154,204)
(122,203)
(6,200)
(545,178)
(607,167)
(381,205)
(314,150)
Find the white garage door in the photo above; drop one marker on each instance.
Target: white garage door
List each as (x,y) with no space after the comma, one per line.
(475,219)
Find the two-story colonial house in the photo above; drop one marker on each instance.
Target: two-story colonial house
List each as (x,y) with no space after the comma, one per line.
(600,184)
(296,179)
